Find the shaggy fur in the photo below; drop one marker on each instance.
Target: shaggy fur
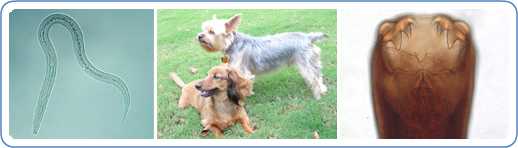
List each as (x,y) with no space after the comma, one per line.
(257,55)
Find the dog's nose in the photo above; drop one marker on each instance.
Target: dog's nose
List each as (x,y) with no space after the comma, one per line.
(198,86)
(200,36)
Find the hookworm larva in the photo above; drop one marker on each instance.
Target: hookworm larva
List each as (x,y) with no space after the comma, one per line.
(50,55)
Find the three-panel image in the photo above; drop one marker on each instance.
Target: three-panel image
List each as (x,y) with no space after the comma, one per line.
(399,73)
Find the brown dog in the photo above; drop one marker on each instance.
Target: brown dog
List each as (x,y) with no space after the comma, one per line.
(423,74)
(219,98)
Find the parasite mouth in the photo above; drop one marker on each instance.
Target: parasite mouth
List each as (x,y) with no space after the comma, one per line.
(208,93)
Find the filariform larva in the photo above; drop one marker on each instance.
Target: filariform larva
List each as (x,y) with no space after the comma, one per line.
(50,75)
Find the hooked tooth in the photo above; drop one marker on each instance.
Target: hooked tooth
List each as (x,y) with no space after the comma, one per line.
(446,39)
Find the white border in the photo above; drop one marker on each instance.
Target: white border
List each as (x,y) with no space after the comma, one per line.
(155,81)
(340,141)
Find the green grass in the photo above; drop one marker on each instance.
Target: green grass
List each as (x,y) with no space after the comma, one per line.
(282,106)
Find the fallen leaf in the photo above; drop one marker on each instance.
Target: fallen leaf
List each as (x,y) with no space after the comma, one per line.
(193,70)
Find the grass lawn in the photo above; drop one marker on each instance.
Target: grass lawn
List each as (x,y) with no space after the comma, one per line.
(282,106)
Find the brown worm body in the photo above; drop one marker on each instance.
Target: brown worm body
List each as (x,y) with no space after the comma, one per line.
(423,70)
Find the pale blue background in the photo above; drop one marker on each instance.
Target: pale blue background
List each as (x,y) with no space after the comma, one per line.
(116,41)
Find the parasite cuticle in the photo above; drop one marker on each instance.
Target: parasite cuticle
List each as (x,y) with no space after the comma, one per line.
(51,61)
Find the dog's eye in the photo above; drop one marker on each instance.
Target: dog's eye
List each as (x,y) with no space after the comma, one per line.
(215,77)
(211,31)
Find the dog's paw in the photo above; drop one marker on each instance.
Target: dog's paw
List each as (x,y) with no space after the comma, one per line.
(204,133)
(254,128)
(323,90)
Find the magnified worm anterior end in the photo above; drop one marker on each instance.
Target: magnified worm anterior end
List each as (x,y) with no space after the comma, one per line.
(423,77)
(51,60)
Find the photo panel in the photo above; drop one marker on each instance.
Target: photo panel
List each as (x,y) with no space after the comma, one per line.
(81,74)
(289,54)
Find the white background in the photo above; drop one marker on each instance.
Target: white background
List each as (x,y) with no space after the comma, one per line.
(493,31)
(493,120)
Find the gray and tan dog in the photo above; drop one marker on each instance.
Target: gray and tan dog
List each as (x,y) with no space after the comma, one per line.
(256,55)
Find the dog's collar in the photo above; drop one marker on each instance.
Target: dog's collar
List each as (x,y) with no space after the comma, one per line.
(225,59)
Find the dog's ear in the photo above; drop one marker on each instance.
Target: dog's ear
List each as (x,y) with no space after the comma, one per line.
(232,23)
(233,92)
(242,86)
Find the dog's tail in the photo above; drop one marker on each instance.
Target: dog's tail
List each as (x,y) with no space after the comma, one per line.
(176,79)
(316,36)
